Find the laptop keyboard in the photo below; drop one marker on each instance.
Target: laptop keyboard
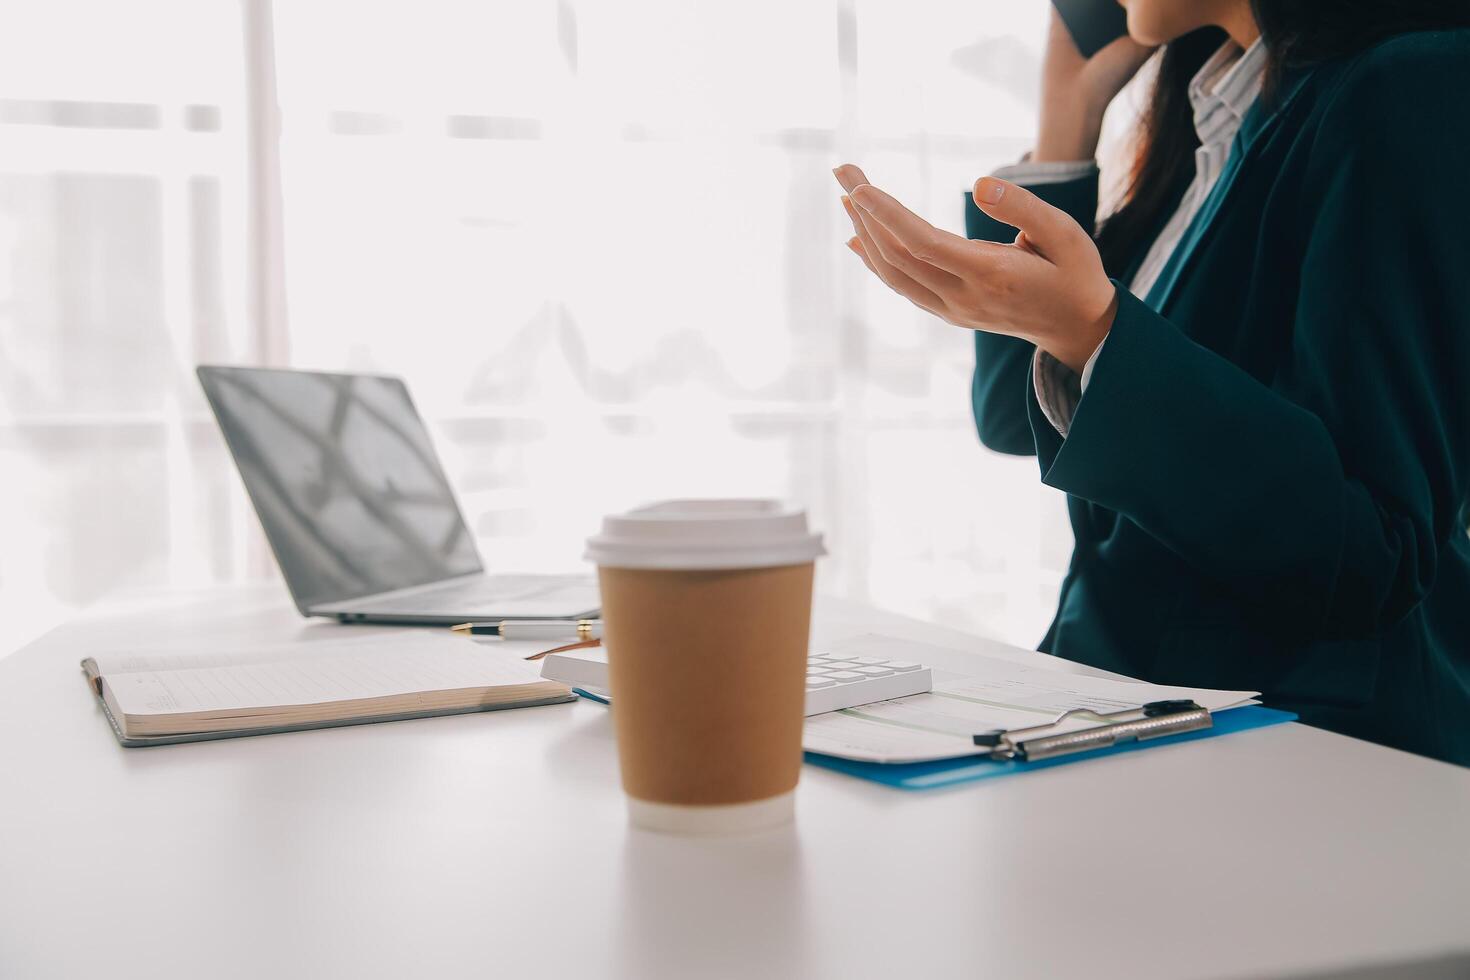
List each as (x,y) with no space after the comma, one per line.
(489,593)
(464,595)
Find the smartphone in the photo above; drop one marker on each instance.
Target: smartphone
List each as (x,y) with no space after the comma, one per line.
(1093,24)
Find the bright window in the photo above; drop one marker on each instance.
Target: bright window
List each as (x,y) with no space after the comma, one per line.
(600,241)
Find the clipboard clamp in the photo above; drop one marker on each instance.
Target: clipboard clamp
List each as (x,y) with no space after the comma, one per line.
(1153,720)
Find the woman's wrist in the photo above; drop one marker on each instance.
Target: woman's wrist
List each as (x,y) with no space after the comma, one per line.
(1077,346)
(1067,133)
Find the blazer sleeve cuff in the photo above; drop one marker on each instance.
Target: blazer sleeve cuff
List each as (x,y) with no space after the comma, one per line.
(1091,461)
(1030,173)
(1154,401)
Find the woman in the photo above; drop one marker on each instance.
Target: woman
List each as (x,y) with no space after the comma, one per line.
(1254,380)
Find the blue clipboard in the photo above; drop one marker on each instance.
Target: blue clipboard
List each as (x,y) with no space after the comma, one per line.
(948,772)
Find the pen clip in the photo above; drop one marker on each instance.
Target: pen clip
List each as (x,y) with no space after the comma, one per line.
(1154,709)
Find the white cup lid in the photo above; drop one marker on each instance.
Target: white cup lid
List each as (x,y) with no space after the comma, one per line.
(706,534)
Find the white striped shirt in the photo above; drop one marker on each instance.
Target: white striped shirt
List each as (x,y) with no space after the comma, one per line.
(1221,92)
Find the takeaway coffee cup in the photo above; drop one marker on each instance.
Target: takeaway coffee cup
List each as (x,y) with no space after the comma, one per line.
(706,608)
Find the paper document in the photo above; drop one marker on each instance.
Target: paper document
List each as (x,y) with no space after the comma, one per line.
(1002,694)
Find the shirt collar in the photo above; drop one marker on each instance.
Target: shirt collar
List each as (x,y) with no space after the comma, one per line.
(1231,81)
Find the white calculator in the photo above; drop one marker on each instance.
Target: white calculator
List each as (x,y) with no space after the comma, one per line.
(833,680)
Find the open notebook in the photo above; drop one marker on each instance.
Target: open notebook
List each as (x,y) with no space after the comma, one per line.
(158,698)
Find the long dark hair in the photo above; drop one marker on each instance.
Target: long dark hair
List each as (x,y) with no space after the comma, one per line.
(1297,34)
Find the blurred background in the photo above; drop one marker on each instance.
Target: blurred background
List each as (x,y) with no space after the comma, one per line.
(600,240)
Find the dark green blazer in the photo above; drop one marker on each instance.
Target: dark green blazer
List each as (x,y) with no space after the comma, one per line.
(1268,473)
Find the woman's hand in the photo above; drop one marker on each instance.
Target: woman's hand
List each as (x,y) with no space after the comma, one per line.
(1076,91)
(1049,287)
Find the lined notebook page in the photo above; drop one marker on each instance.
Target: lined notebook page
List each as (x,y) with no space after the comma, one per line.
(351,641)
(337,642)
(316,680)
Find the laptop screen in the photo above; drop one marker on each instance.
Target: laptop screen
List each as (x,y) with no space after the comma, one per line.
(345,480)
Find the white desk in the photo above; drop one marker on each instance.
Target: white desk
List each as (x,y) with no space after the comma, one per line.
(495,844)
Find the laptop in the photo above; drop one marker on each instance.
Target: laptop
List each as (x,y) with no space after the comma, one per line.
(357,509)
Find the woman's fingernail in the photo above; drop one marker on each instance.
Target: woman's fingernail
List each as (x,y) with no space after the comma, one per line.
(860,192)
(991,190)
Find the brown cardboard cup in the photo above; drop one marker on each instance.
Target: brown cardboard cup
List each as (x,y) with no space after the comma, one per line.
(707,664)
